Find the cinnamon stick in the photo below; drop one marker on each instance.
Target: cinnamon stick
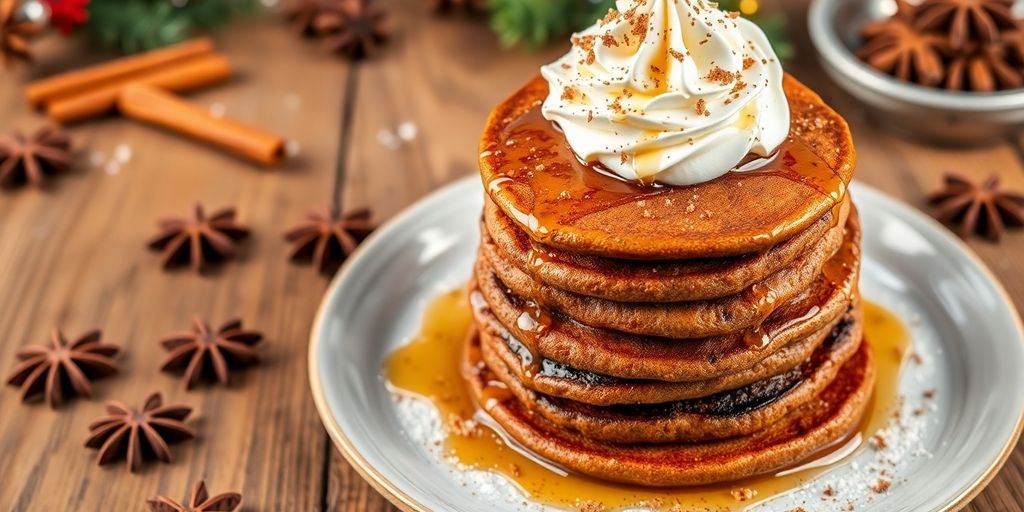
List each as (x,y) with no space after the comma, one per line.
(156,106)
(181,76)
(75,82)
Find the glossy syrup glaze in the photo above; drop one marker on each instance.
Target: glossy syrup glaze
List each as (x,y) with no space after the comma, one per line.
(546,189)
(840,272)
(430,367)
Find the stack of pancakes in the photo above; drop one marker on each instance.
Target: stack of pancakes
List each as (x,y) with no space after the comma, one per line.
(669,335)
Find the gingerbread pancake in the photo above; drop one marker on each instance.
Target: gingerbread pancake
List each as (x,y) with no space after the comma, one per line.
(559,380)
(676,319)
(535,179)
(736,412)
(561,338)
(822,422)
(649,281)
(629,356)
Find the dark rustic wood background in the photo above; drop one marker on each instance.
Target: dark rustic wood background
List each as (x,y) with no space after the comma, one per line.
(73,256)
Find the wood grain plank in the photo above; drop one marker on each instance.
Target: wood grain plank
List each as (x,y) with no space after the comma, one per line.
(439,77)
(75,257)
(72,257)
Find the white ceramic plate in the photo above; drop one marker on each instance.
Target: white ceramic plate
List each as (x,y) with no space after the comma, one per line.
(945,449)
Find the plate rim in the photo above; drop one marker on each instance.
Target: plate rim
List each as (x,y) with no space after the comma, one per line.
(407,503)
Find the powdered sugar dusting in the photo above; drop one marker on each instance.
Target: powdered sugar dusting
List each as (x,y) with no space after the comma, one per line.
(869,480)
(422,424)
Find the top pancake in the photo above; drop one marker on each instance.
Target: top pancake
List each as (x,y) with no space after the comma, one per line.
(533,176)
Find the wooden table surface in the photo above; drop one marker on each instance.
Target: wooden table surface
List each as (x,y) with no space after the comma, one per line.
(73,255)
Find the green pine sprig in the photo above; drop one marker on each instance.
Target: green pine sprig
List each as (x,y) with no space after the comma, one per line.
(138,25)
(535,23)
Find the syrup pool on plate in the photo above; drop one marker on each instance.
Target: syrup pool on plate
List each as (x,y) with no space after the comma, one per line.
(429,367)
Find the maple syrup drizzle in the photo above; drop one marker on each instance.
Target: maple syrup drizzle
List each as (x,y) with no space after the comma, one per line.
(764,305)
(536,165)
(533,323)
(535,319)
(430,367)
(555,190)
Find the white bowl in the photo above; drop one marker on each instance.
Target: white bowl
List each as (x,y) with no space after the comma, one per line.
(948,117)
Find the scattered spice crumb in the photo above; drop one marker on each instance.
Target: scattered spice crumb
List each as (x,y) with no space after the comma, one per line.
(829,491)
(591,506)
(916,358)
(586,43)
(881,486)
(610,17)
(702,107)
(879,441)
(929,393)
(743,494)
(720,76)
(740,85)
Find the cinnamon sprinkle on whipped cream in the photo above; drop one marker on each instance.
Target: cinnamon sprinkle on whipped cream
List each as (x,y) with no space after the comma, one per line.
(673,91)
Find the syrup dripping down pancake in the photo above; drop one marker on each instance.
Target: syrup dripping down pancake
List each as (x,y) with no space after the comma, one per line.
(678,319)
(737,412)
(821,423)
(560,380)
(533,176)
(647,281)
(561,338)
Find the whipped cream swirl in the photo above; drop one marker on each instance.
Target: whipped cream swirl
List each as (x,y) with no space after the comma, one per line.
(673,91)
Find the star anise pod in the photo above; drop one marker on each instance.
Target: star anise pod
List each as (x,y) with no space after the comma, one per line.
(62,369)
(205,352)
(967,21)
(302,14)
(896,47)
(356,30)
(1013,44)
(987,209)
(327,240)
(199,501)
(30,159)
(14,34)
(137,435)
(205,239)
(982,69)
(473,6)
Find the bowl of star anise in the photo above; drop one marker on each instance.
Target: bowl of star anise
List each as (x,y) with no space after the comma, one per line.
(949,71)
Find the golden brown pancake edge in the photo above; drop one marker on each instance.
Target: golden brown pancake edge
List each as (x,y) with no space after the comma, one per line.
(775,208)
(652,424)
(822,423)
